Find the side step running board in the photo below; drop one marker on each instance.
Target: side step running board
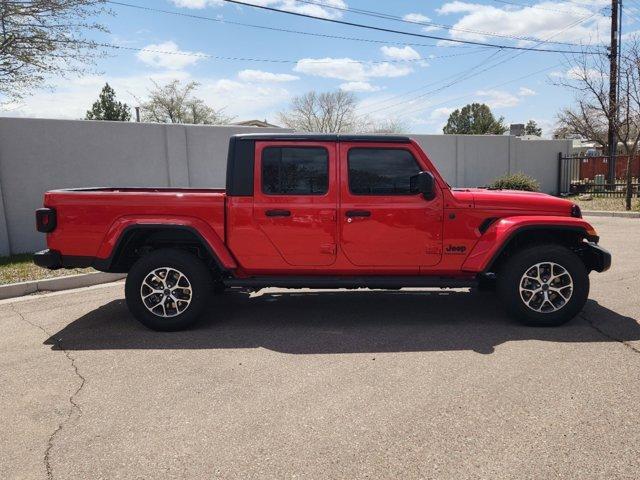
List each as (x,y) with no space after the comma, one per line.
(350,282)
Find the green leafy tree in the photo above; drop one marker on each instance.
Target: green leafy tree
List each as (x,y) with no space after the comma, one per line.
(531,128)
(474,119)
(107,108)
(42,39)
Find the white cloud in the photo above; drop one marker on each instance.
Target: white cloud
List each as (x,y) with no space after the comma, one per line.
(349,70)
(420,18)
(397,53)
(416,17)
(310,9)
(498,98)
(244,100)
(71,98)
(289,5)
(168,55)
(197,4)
(260,76)
(440,113)
(541,20)
(576,73)
(526,92)
(359,87)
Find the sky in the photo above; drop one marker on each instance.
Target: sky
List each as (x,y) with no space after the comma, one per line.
(247,66)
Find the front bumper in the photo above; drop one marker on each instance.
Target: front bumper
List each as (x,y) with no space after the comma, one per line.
(53,260)
(597,258)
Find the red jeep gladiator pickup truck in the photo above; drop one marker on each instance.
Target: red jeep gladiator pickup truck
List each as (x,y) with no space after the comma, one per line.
(324,211)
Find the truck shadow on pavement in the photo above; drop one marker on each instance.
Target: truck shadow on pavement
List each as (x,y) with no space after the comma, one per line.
(342,322)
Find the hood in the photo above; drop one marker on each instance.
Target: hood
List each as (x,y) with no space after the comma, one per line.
(517,200)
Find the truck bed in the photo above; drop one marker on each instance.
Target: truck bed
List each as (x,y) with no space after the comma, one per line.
(87,217)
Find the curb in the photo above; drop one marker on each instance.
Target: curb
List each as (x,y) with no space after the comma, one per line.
(56,284)
(600,213)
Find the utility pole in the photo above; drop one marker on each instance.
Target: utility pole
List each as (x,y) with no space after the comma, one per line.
(613,92)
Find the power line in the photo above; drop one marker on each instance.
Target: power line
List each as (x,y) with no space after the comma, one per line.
(387,16)
(253,59)
(277,29)
(456,77)
(460,97)
(637,9)
(400,32)
(466,75)
(530,5)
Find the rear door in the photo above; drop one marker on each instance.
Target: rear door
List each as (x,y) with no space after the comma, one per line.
(295,200)
(384,224)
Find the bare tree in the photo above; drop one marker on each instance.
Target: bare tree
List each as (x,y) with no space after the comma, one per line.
(327,112)
(590,124)
(334,112)
(589,78)
(387,126)
(43,38)
(175,103)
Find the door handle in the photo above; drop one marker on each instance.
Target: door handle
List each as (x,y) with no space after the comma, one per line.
(358,213)
(277,213)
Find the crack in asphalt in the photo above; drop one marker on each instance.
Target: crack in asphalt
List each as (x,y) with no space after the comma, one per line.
(72,398)
(607,335)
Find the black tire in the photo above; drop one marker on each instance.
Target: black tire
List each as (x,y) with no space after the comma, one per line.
(511,274)
(197,276)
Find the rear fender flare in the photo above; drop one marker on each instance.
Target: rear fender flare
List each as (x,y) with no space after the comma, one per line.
(202,230)
(492,243)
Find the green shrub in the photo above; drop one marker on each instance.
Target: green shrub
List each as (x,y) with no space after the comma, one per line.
(516,181)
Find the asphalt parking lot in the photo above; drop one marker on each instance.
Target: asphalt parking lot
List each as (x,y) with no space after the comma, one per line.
(284,384)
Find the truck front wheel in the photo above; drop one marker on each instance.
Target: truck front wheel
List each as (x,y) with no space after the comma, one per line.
(544,285)
(168,289)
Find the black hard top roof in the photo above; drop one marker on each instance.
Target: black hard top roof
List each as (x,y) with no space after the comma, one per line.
(324,137)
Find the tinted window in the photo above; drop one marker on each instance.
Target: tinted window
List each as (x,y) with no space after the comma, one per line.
(378,171)
(295,171)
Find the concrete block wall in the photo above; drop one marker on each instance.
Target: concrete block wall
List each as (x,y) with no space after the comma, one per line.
(37,155)
(476,160)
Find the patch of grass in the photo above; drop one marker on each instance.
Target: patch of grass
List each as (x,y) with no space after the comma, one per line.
(607,204)
(20,268)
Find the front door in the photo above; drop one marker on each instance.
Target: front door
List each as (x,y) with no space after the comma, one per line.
(295,200)
(384,224)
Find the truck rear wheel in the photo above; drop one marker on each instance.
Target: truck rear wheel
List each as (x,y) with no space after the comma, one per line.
(544,285)
(167,289)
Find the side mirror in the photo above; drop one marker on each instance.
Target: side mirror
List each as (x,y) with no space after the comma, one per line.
(423,183)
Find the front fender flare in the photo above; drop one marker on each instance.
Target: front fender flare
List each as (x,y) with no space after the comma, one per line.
(498,235)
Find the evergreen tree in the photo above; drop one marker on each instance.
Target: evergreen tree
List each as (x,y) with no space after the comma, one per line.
(532,129)
(107,108)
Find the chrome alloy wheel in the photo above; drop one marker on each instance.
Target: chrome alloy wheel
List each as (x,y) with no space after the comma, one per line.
(166,292)
(546,287)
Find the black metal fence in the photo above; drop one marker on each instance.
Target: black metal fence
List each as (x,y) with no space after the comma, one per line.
(582,175)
